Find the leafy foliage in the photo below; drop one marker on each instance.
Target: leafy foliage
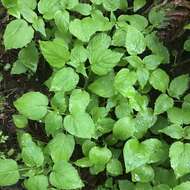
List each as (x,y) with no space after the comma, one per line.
(97,111)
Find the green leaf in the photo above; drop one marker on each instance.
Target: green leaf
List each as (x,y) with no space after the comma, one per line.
(135,41)
(159,79)
(83,162)
(143,174)
(179,86)
(32,155)
(187,45)
(143,186)
(118,38)
(39,25)
(18,68)
(179,158)
(125,184)
(135,155)
(143,76)
(86,146)
(152,61)
(17,34)
(9,174)
(110,5)
(80,125)
(138,4)
(103,86)
(174,131)
(124,128)
(161,187)
(102,60)
(58,102)
(163,103)
(83,8)
(100,155)
(182,186)
(12,6)
(53,122)
(29,57)
(33,105)
(39,182)
(65,176)
(114,167)
(55,52)
(135,61)
(82,29)
(124,81)
(78,101)
(64,80)
(56,150)
(20,121)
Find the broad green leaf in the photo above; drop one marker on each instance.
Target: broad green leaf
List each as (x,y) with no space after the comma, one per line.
(83,162)
(20,121)
(159,79)
(61,147)
(100,155)
(158,150)
(31,4)
(65,176)
(110,5)
(174,131)
(187,45)
(124,128)
(39,25)
(83,8)
(183,186)
(124,81)
(33,105)
(179,86)
(58,102)
(138,4)
(29,57)
(17,34)
(163,103)
(102,60)
(55,52)
(28,14)
(82,29)
(135,41)
(9,174)
(125,184)
(32,155)
(135,155)
(80,125)
(78,101)
(38,182)
(64,80)
(114,167)
(48,8)
(135,61)
(143,76)
(18,68)
(143,174)
(53,122)
(179,158)
(118,38)
(62,19)
(86,146)
(12,7)
(103,86)
(152,61)
(179,116)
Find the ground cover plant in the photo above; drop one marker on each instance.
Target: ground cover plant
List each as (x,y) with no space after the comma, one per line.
(109,103)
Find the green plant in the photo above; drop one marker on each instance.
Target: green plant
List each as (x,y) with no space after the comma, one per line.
(104,69)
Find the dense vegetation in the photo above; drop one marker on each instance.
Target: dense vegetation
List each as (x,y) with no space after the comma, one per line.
(110,112)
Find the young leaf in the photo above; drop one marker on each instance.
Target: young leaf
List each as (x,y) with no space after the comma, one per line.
(100,155)
(114,167)
(159,79)
(135,41)
(9,174)
(17,34)
(178,86)
(163,103)
(33,105)
(138,4)
(39,182)
(20,121)
(65,176)
(64,80)
(179,158)
(56,150)
(80,125)
(55,52)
